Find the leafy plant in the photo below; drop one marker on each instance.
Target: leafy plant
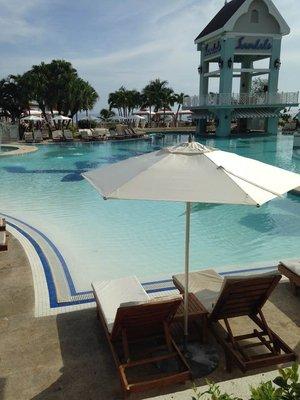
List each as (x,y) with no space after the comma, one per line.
(286,386)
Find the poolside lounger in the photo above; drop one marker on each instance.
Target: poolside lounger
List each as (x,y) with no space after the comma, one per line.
(28,137)
(291,269)
(45,134)
(38,138)
(68,136)
(2,224)
(86,135)
(99,133)
(57,136)
(3,241)
(240,296)
(128,316)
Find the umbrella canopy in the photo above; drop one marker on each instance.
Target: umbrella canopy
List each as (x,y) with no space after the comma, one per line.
(33,118)
(144,112)
(191,172)
(165,112)
(61,118)
(135,117)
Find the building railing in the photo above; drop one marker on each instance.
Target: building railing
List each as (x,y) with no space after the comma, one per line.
(233,99)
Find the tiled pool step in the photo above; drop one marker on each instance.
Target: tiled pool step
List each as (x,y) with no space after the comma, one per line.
(55,291)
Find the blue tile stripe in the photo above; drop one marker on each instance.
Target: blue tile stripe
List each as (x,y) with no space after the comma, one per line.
(164,284)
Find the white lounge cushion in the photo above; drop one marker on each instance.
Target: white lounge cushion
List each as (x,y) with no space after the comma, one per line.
(206,285)
(57,134)
(112,294)
(292,265)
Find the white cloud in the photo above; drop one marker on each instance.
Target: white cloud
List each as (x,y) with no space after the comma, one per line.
(14,23)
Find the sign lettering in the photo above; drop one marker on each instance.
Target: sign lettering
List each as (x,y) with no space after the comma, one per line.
(212,48)
(257,44)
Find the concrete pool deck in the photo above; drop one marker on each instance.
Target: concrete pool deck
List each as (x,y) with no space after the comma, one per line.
(66,356)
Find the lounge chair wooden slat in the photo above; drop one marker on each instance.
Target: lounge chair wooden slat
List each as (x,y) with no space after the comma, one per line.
(227,306)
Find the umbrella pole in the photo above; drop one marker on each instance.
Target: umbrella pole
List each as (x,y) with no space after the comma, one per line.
(187,261)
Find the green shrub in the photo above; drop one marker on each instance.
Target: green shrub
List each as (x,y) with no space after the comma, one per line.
(86,124)
(286,386)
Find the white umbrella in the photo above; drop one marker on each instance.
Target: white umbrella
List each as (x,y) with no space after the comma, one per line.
(62,118)
(135,116)
(144,112)
(32,118)
(193,173)
(166,112)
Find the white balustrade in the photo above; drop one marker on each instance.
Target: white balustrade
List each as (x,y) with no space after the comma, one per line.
(233,99)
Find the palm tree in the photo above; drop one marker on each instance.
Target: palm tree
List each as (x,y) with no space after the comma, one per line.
(167,100)
(153,93)
(179,99)
(125,101)
(105,114)
(14,96)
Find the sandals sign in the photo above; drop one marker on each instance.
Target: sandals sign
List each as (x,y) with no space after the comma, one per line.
(253,45)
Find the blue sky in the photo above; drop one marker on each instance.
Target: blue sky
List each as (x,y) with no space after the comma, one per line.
(123,42)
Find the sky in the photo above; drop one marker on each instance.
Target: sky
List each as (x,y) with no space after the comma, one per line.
(123,42)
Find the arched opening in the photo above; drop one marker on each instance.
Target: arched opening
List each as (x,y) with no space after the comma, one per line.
(254,17)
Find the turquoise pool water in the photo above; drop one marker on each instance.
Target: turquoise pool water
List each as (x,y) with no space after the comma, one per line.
(106,239)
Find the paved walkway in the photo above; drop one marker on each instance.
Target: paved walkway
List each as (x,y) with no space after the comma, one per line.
(66,356)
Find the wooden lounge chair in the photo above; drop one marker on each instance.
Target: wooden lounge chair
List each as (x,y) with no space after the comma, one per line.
(2,224)
(129,316)
(242,296)
(86,135)
(28,137)
(68,135)
(3,241)
(57,136)
(38,138)
(291,269)
(99,133)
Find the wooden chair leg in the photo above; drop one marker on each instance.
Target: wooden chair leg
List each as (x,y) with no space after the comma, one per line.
(228,362)
(168,337)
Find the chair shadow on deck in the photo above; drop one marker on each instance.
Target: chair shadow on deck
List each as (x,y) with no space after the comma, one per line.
(88,370)
(2,388)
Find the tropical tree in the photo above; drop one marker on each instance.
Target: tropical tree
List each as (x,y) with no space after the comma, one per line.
(179,99)
(14,97)
(153,94)
(105,114)
(259,85)
(124,101)
(57,86)
(167,100)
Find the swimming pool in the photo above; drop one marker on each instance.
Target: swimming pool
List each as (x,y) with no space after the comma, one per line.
(107,239)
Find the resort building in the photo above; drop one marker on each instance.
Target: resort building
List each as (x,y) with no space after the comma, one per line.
(242,42)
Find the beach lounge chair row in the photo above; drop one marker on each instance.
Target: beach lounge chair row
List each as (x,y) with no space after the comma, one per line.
(62,136)
(96,134)
(3,235)
(128,315)
(124,132)
(35,136)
